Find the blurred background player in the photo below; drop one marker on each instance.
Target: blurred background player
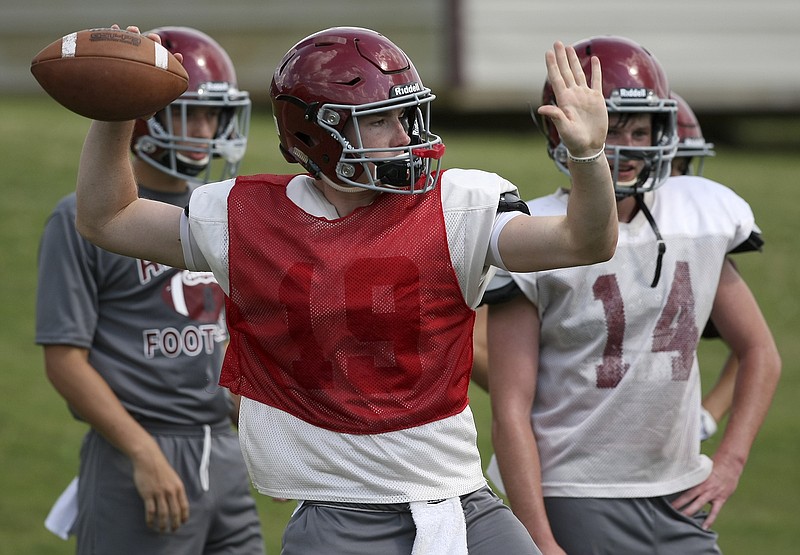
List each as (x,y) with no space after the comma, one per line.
(594,379)
(135,347)
(693,149)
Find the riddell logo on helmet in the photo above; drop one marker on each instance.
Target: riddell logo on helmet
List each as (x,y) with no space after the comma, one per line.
(402,90)
(215,86)
(633,93)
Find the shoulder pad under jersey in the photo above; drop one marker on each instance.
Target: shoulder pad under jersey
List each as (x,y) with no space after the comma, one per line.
(501,288)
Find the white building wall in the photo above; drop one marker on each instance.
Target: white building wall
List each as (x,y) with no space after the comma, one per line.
(721,55)
(718,54)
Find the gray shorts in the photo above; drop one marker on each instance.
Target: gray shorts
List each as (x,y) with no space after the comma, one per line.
(221,520)
(589,526)
(350,529)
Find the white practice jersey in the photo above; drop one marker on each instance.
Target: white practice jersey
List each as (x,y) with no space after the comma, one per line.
(618,393)
(291,458)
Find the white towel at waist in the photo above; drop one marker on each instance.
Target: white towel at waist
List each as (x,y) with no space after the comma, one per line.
(441,527)
(64,512)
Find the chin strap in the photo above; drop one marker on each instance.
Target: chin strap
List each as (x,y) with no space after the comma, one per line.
(662,247)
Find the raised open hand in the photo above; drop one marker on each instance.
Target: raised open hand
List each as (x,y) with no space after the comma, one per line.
(581,116)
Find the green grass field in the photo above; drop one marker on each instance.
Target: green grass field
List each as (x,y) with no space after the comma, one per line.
(40,144)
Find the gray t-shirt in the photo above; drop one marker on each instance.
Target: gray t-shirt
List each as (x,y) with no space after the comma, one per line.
(156,334)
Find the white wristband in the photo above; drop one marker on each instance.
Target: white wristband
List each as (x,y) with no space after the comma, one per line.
(586,159)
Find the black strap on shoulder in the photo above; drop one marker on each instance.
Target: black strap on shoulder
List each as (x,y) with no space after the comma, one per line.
(509,202)
(753,243)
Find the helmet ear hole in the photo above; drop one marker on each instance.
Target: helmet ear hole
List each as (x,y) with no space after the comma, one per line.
(305,139)
(301,137)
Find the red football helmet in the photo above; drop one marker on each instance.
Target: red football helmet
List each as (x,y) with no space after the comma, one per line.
(691,142)
(332,78)
(212,83)
(633,82)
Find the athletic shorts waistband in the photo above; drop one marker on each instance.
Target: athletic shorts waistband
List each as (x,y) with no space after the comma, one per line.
(190,430)
(375,507)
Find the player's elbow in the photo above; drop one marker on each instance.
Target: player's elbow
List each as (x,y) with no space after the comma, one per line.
(774,364)
(598,248)
(608,246)
(86,228)
(91,229)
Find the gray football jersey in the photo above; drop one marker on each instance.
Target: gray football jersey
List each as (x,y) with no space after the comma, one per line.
(155,333)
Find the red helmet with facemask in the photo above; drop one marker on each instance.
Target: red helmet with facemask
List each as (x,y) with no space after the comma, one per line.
(633,82)
(322,88)
(165,140)
(691,142)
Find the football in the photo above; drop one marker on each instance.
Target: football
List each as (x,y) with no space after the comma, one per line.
(109,74)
